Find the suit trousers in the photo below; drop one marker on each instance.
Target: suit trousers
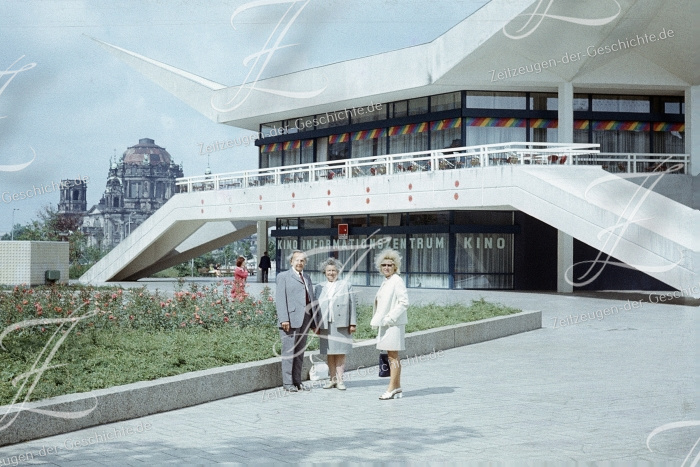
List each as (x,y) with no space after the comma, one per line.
(293,347)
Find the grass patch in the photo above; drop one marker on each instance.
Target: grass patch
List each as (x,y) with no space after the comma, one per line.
(140,336)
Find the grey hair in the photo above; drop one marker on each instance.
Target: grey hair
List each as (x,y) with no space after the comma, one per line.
(291,256)
(389,254)
(330,262)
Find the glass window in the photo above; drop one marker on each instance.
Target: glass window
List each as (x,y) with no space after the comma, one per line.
(298,152)
(483,260)
(270,155)
(449,101)
(371,113)
(271,129)
(338,147)
(429,218)
(669,138)
(377,220)
(352,221)
(333,119)
(288,223)
(418,106)
(369,143)
(495,130)
(290,127)
(495,100)
(616,136)
(408,138)
(672,107)
(543,130)
(429,255)
(291,156)
(315,222)
(134,190)
(483,218)
(351,254)
(302,124)
(398,109)
(446,133)
(636,104)
(580,102)
(544,101)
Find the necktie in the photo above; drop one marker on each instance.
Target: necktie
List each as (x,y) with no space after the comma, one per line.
(301,276)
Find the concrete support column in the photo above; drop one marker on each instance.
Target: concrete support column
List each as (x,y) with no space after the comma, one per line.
(262,245)
(565,260)
(692,127)
(566,113)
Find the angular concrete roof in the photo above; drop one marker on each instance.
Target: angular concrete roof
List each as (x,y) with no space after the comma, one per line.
(598,45)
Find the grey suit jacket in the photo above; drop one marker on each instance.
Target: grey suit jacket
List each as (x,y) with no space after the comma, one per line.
(290,298)
(344,313)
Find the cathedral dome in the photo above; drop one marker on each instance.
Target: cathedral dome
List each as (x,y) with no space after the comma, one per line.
(146,152)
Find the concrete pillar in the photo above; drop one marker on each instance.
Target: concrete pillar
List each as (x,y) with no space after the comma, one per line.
(566,113)
(262,245)
(565,260)
(692,127)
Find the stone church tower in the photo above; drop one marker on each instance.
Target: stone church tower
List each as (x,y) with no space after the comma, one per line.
(73,197)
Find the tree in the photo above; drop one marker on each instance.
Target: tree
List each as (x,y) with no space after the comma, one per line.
(54,226)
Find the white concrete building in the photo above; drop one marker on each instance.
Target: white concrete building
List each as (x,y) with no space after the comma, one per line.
(411,144)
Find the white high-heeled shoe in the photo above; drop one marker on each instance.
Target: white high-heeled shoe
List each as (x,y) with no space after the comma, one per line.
(330,384)
(396,393)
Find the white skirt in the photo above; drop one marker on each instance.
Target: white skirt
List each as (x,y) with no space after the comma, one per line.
(391,337)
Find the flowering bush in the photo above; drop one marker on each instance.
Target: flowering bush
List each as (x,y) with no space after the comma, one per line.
(198,308)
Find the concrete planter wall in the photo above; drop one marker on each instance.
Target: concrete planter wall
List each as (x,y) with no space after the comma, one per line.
(34,420)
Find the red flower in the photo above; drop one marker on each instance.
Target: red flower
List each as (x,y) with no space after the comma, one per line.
(225,319)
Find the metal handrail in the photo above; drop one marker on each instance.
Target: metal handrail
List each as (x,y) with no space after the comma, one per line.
(432,160)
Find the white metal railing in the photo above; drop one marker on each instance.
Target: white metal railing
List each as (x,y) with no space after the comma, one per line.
(617,162)
(422,161)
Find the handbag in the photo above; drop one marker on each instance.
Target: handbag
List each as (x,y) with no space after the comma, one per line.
(319,370)
(384,365)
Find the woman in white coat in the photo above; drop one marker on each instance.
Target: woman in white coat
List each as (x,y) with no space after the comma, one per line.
(390,317)
(336,300)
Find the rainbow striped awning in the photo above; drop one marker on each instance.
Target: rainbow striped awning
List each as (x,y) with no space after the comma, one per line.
(342,138)
(496,122)
(663,126)
(369,134)
(617,125)
(272,147)
(408,129)
(446,124)
(581,124)
(544,123)
(291,145)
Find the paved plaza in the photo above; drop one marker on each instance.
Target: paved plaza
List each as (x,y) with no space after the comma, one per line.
(581,389)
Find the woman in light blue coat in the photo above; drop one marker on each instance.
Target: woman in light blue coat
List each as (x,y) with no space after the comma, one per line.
(390,317)
(336,300)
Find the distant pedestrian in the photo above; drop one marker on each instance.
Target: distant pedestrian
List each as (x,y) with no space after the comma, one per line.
(240,272)
(265,265)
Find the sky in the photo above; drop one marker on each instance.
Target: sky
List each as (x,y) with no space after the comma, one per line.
(67,105)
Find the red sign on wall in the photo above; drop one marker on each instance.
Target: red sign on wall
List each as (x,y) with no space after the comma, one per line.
(342,231)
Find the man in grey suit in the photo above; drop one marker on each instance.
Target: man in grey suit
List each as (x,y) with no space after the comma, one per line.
(297,312)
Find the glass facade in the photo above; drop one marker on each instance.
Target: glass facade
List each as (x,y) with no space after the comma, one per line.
(619,123)
(436,248)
